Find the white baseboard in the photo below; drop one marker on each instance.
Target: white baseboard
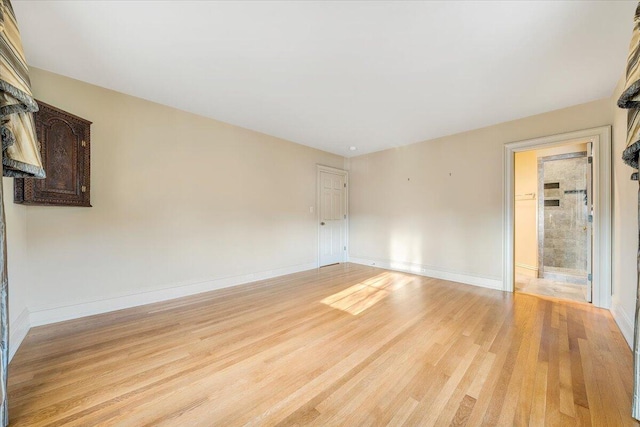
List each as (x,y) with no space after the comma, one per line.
(46,315)
(526,266)
(422,270)
(18,330)
(526,270)
(624,322)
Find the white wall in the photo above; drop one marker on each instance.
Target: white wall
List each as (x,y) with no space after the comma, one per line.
(181,204)
(436,207)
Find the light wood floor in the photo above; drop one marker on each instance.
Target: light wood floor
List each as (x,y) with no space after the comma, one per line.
(344,345)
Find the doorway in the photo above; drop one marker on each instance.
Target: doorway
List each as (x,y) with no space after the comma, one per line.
(553,233)
(600,215)
(332,216)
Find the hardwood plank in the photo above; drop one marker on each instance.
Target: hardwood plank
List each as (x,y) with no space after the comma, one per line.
(461,416)
(567,405)
(539,404)
(525,397)
(552,412)
(401,415)
(342,345)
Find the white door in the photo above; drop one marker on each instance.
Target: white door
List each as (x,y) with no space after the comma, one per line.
(332,216)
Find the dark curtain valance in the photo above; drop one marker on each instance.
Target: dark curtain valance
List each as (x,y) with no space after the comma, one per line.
(630,97)
(20,156)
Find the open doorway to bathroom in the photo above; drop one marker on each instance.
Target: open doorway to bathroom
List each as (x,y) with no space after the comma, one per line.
(553,213)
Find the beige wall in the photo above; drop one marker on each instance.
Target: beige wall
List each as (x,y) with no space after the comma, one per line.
(526,213)
(438,204)
(180,200)
(562,149)
(180,203)
(17,265)
(625,226)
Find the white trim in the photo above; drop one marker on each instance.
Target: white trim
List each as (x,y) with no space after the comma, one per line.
(18,330)
(600,137)
(45,315)
(422,270)
(323,168)
(623,320)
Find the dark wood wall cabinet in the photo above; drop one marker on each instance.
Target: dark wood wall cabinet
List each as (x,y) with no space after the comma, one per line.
(65,147)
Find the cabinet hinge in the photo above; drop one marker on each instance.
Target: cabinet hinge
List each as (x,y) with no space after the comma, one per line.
(83,143)
(589,277)
(345,185)
(590,218)
(83,188)
(590,159)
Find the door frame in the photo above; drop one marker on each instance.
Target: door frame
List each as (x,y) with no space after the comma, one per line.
(600,139)
(322,168)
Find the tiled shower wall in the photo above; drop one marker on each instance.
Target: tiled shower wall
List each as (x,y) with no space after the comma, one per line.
(565,225)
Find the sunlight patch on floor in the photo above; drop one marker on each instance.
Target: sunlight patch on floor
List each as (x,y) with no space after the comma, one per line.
(364,295)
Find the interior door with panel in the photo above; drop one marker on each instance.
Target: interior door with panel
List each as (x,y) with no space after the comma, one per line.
(332,217)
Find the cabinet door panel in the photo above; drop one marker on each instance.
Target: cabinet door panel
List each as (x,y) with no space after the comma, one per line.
(65,150)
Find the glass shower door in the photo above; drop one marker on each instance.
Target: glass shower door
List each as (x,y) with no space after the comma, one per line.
(565,220)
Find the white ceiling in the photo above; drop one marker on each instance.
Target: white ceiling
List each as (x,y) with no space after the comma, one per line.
(336,74)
